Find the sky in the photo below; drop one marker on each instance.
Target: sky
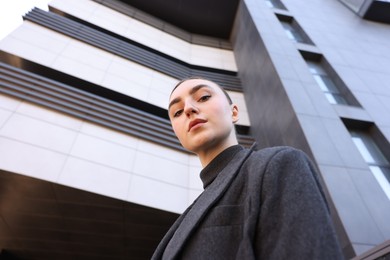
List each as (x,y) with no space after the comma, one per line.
(11,12)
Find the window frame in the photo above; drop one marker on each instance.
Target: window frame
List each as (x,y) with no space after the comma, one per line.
(322,68)
(374,149)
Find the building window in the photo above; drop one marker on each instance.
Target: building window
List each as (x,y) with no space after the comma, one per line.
(333,87)
(326,83)
(376,160)
(291,32)
(292,29)
(275,4)
(374,10)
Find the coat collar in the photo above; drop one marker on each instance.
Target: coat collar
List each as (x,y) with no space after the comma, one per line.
(190,219)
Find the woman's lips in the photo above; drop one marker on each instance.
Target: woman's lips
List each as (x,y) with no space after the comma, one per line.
(195,123)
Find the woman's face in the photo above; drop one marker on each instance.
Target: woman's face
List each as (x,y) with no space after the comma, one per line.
(201,115)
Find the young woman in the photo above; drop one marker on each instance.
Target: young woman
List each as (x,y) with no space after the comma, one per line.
(265,204)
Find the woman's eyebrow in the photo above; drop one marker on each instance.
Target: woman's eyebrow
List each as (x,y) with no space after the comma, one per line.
(197,87)
(191,92)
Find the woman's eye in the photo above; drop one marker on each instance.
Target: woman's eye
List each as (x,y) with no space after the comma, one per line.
(178,113)
(205,98)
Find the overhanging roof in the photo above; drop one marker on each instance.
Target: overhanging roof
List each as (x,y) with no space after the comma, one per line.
(206,17)
(43,220)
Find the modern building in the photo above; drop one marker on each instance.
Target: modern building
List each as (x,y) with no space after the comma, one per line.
(89,165)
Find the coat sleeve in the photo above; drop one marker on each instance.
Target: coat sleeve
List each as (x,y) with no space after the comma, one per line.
(294,221)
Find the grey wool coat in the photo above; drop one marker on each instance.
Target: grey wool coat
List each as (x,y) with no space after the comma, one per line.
(265,204)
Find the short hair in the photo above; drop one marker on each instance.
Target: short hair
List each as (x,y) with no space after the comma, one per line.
(198,77)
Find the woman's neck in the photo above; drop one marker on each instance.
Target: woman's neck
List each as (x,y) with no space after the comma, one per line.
(206,156)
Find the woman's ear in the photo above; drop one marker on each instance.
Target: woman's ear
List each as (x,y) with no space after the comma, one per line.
(235,113)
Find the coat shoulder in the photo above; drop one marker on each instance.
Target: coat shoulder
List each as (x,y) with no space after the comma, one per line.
(268,158)
(283,151)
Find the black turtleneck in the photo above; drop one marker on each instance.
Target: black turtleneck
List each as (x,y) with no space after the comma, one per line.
(210,172)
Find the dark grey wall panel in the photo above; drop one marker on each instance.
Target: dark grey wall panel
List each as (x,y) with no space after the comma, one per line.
(273,120)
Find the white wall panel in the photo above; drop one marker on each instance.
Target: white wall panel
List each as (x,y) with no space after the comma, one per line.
(38,133)
(83,53)
(144,34)
(228,60)
(160,89)
(200,53)
(239,100)
(50,116)
(158,150)
(30,160)
(161,169)
(109,135)
(4,115)
(96,178)
(156,194)
(9,103)
(177,47)
(78,69)
(109,19)
(195,183)
(77,8)
(126,87)
(194,177)
(24,49)
(130,72)
(103,152)
(192,195)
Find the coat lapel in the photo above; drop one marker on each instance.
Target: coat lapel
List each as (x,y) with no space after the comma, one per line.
(187,223)
(163,243)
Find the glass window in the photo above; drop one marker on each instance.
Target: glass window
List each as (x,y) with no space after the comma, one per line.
(291,32)
(326,84)
(269,3)
(375,159)
(275,4)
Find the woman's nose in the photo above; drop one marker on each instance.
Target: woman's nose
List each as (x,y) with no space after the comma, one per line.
(190,108)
